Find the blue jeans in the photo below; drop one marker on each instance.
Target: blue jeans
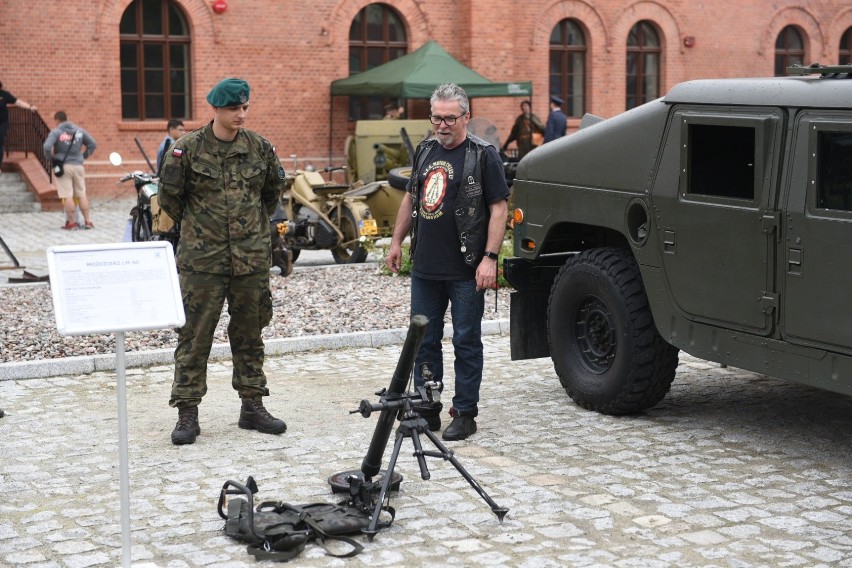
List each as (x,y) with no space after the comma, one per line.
(430,298)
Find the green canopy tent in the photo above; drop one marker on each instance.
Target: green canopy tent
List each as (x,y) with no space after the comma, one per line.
(415,76)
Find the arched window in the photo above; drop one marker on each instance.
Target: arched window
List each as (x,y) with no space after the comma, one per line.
(155,77)
(789,49)
(643,64)
(846,48)
(377,36)
(568,66)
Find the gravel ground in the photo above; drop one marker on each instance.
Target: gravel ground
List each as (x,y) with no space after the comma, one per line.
(309,302)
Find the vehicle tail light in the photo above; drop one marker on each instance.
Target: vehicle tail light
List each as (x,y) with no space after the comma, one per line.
(517,217)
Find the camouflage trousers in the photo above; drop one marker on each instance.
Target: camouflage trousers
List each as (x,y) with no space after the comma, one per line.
(250,309)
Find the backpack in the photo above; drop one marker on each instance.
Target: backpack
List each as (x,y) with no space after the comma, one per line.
(280,531)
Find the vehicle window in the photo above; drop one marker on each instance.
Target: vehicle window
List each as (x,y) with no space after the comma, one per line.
(721,161)
(834,170)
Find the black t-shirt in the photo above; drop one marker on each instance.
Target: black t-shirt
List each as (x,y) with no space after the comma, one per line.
(438,254)
(6,98)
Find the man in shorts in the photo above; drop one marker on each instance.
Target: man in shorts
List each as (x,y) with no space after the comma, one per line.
(65,143)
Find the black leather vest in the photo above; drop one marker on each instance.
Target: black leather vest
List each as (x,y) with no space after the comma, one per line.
(471,212)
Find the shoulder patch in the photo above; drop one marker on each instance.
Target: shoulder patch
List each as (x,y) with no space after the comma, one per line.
(281,173)
(177,152)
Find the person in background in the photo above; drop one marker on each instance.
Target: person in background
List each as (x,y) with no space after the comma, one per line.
(456,210)
(557,122)
(65,142)
(174,130)
(522,132)
(221,183)
(7,98)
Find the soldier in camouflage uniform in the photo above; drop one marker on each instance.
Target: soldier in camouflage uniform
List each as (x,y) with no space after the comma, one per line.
(221,183)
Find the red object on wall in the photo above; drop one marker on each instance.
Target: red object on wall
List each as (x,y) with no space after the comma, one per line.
(220,6)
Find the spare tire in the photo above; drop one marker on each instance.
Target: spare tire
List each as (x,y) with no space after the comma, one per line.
(398,177)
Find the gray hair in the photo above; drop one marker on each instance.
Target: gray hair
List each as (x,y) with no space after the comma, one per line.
(451,92)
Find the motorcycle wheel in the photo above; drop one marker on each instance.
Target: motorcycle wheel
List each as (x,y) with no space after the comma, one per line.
(352,253)
(141,230)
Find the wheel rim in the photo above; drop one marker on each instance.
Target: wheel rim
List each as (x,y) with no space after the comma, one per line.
(595,335)
(350,233)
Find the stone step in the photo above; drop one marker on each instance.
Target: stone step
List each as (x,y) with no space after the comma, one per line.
(13,187)
(15,196)
(26,207)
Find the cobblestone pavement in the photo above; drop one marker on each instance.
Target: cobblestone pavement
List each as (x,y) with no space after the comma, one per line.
(733,469)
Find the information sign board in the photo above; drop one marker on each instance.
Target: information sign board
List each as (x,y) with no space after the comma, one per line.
(114,287)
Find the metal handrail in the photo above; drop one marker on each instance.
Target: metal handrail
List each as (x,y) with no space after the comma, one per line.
(27,133)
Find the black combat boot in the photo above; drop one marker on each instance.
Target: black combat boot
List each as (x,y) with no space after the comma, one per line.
(187,427)
(462,426)
(254,416)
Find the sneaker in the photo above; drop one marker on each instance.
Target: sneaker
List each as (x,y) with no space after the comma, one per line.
(253,416)
(88,225)
(460,428)
(187,427)
(69,226)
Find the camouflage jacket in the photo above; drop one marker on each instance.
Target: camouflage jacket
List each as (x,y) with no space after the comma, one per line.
(223,203)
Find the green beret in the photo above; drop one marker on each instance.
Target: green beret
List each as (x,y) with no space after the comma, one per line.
(229,92)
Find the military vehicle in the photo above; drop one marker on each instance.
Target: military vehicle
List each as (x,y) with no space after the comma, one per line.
(715,220)
(378,147)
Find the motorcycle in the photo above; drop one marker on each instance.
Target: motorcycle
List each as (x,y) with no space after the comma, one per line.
(143,213)
(315,214)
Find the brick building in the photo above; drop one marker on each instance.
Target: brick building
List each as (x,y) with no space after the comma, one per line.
(120,68)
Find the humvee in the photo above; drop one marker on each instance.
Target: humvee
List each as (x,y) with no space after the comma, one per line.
(716,220)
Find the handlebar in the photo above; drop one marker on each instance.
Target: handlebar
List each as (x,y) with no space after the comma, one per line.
(141,176)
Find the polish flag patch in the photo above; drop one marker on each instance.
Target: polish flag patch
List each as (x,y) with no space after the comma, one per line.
(177,152)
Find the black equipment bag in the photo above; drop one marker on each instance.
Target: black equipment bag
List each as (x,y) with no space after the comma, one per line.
(280,531)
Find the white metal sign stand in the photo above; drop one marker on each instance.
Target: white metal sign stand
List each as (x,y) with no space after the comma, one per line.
(115,288)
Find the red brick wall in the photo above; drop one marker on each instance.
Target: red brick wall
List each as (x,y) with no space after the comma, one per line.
(290,51)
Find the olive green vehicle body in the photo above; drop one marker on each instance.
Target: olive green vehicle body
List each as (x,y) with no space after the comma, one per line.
(731,196)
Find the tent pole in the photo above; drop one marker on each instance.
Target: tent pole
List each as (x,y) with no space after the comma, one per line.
(330,116)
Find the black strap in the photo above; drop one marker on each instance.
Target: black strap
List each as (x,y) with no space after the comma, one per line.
(265,552)
(322,536)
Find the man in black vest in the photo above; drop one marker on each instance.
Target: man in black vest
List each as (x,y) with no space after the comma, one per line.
(457,217)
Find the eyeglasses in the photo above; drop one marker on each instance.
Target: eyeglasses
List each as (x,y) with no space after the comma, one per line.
(448,120)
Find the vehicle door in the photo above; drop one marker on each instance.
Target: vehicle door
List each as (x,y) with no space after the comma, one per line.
(817,274)
(714,200)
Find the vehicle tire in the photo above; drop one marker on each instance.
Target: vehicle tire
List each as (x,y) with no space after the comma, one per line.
(352,253)
(398,177)
(141,228)
(606,351)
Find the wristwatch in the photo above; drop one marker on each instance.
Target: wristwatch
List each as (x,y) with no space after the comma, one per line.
(491,255)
